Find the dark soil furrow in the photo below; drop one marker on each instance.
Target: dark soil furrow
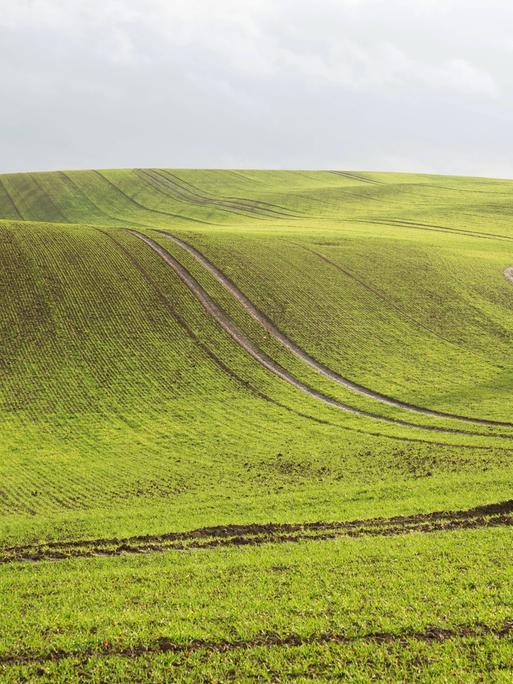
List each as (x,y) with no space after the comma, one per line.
(487,516)
(165,645)
(262,319)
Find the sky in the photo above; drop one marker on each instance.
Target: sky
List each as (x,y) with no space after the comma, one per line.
(401,85)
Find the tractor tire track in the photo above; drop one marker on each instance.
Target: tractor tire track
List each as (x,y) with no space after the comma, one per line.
(354,176)
(237,202)
(245,200)
(262,319)
(266,640)
(44,192)
(485,516)
(389,302)
(240,338)
(434,228)
(11,200)
(146,208)
(171,189)
(248,386)
(176,188)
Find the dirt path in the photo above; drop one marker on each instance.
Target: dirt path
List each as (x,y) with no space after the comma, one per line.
(508,274)
(487,516)
(238,336)
(261,318)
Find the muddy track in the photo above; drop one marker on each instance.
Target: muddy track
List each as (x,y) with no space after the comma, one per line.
(175,187)
(261,357)
(262,319)
(162,645)
(487,516)
(508,274)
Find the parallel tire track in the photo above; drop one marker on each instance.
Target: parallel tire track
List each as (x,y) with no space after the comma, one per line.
(245,384)
(262,319)
(166,645)
(240,338)
(11,200)
(177,189)
(146,208)
(398,223)
(486,516)
(354,176)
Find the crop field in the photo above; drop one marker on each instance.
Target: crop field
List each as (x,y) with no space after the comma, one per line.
(255,426)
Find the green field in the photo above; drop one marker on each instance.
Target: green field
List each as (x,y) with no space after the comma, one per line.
(255,426)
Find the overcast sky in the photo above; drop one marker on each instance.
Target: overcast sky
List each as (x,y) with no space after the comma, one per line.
(411,85)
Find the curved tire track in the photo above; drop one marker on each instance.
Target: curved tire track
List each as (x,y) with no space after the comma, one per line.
(356,177)
(261,318)
(240,338)
(257,392)
(177,188)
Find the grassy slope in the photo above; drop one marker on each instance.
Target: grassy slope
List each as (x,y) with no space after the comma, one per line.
(126,410)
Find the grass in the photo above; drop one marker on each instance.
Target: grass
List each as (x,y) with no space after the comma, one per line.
(126,410)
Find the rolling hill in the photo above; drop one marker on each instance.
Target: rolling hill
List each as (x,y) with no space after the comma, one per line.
(255,425)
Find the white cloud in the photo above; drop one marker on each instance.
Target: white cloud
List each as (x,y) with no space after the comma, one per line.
(281,82)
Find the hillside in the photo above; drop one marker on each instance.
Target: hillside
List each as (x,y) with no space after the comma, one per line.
(301,381)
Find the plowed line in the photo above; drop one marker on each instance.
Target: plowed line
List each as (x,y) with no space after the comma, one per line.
(261,318)
(487,516)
